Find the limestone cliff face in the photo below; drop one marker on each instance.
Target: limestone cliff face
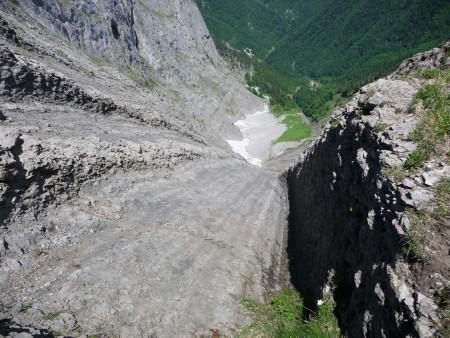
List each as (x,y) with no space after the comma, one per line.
(349,219)
(164,42)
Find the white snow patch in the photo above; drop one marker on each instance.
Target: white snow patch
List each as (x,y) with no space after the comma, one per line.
(259,130)
(240,147)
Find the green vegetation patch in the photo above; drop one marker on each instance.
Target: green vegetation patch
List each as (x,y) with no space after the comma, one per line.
(99,61)
(380,127)
(419,156)
(50,316)
(297,128)
(285,316)
(416,239)
(433,102)
(442,200)
(24,308)
(14,2)
(138,78)
(443,299)
(396,173)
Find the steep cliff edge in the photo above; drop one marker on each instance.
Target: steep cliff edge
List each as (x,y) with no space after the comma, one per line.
(123,212)
(356,221)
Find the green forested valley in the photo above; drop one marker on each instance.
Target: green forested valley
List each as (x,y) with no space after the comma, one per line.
(314,53)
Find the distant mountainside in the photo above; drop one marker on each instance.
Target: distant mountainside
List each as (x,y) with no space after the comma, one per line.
(340,43)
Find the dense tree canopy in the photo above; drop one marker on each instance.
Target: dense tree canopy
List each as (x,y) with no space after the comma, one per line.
(341,44)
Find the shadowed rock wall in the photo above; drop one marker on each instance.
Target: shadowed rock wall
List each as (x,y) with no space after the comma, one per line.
(341,223)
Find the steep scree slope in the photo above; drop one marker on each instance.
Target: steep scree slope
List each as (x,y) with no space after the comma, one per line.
(122,210)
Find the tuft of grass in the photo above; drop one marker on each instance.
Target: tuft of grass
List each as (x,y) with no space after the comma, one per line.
(286,317)
(398,110)
(397,173)
(50,316)
(24,308)
(415,135)
(93,17)
(436,101)
(6,322)
(419,156)
(334,123)
(442,199)
(415,239)
(211,84)
(379,127)
(324,324)
(55,334)
(428,73)
(64,2)
(370,93)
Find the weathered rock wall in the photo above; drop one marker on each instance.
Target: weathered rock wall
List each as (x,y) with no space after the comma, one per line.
(348,221)
(341,223)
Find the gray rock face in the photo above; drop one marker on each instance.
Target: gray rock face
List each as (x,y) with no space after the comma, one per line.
(430,59)
(348,219)
(165,42)
(123,212)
